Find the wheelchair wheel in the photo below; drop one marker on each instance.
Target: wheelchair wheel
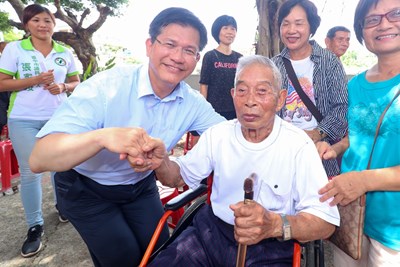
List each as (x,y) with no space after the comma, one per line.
(183,223)
(313,254)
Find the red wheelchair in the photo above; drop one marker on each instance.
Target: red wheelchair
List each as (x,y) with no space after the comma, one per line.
(308,254)
(198,197)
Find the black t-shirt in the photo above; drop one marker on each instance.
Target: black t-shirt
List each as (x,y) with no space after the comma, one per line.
(218,72)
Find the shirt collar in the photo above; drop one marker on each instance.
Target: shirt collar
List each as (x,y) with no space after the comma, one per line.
(317,51)
(145,89)
(27,45)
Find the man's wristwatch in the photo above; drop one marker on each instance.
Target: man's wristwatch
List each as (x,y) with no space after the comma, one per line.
(321,132)
(286,229)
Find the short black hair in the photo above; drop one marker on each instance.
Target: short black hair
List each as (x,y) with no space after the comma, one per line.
(181,16)
(311,10)
(332,31)
(220,22)
(361,11)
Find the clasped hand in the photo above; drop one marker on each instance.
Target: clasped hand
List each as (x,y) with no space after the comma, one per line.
(149,154)
(47,80)
(142,151)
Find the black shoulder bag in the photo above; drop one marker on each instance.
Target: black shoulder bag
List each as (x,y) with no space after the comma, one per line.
(306,100)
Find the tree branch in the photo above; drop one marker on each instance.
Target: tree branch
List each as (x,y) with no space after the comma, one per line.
(104,11)
(84,15)
(70,18)
(18,7)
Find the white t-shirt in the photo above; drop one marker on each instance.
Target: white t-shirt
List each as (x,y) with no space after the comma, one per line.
(287,165)
(297,112)
(21,60)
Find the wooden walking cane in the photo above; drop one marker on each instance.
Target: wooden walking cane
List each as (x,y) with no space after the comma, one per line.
(248,196)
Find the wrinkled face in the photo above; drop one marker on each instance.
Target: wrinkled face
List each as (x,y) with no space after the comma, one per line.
(295,29)
(41,26)
(227,35)
(385,37)
(255,99)
(172,57)
(339,44)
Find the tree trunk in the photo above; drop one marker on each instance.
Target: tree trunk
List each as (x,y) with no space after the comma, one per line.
(268,43)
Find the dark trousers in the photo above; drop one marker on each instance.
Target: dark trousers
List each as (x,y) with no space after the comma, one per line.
(116,222)
(210,242)
(4,101)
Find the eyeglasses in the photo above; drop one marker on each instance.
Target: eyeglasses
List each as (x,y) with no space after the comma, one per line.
(187,51)
(375,20)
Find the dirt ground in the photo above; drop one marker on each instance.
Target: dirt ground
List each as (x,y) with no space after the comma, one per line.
(62,244)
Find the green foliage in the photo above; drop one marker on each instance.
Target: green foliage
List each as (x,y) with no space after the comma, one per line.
(88,71)
(114,53)
(113,4)
(80,5)
(76,5)
(4,25)
(132,61)
(109,64)
(13,36)
(357,60)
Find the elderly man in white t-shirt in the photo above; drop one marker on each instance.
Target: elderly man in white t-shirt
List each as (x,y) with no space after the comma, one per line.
(289,172)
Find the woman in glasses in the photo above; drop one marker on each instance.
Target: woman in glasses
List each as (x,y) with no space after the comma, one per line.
(377,25)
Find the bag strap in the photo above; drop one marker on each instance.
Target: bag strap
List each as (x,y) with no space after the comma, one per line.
(306,100)
(379,126)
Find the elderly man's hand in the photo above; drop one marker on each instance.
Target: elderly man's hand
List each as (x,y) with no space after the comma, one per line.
(254,223)
(153,155)
(134,144)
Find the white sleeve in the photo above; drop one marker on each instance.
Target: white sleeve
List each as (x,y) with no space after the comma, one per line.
(310,177)
(9,59)
(197,163)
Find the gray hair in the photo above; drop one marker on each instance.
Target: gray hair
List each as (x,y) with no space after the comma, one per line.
(247,61)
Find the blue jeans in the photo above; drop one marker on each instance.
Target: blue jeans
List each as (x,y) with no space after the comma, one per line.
(22,134)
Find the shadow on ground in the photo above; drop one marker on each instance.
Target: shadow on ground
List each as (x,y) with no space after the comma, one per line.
(62,244)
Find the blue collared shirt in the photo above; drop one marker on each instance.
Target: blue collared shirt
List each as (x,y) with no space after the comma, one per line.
(123,97)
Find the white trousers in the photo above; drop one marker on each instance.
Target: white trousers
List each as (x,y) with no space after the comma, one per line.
(373,254)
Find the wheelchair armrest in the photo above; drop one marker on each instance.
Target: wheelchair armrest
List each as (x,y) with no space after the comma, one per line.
(185,197)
